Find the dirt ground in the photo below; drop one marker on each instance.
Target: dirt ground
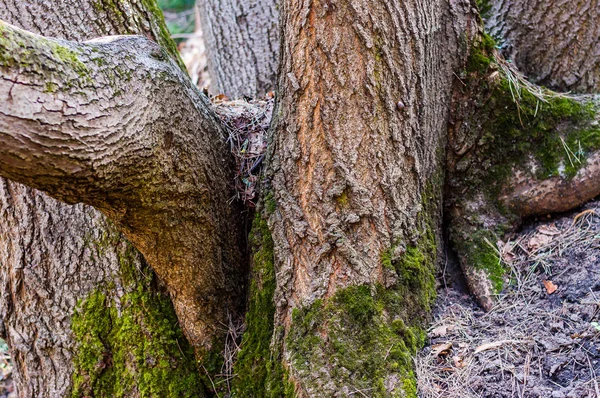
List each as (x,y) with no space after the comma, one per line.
(542,338)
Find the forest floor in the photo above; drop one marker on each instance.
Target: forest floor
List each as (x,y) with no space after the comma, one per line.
(542,338)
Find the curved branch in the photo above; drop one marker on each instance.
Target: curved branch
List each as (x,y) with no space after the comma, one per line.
(115,123)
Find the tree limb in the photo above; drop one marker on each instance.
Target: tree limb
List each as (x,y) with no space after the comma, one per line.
(115,123)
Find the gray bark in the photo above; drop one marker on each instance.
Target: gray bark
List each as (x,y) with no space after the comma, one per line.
(555,43)
(242,45)
(50,254)
(48,264)
(93,123)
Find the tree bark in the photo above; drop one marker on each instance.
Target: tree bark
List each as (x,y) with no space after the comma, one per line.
(554,43)
(71,130)
(55,256)
(356,178)
(242,45)
(515,150)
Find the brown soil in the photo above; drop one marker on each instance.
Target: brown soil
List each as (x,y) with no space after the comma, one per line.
(534,342)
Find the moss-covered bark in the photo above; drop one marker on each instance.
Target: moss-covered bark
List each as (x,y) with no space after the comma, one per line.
(363,337)
(503,126)
(129,343)
(258,369)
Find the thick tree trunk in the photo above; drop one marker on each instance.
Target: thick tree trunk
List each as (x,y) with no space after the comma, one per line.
(554,43)
(355,196)
(242,45)
(56,257)
(515,149)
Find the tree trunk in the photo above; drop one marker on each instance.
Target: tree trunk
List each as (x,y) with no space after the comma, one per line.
(554,43)
(355,197)
(517,150)
(57,258)
(242,45)
(347,235)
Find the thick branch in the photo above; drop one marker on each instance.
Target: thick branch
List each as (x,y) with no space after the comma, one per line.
(114,123)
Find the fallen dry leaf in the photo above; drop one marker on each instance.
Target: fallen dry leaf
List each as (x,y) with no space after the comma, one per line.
(441,349)
(490,346)
(538,240)
(550,286)
(458,361)
(441,331)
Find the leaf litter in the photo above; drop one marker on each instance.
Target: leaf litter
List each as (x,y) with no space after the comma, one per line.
(542,338)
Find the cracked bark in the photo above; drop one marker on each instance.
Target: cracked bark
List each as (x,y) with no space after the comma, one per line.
(555,43)
(361,125)
(147,152)
(50,254)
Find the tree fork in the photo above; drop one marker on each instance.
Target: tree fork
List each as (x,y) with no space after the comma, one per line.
(57,256)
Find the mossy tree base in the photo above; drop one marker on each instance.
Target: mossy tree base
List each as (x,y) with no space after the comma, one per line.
(505,131)
(129,343)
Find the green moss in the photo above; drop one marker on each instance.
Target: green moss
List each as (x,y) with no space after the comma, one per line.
(513,126)
(479,251)
(365,336)
(485,7)
(69,57)
(387,258)
(131,345)
(360,337)
(342,199)
(35,55)
(163,37)
(51,87)
(481,55)
(270,204)
(258,369)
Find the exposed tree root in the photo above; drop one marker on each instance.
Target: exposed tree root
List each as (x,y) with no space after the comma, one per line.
(515,150)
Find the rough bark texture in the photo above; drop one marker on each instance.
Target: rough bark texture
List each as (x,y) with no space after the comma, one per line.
(242,45)
(55,255)
(114,124)
(555,43)
(48,265)
(515,150)
(360,131)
